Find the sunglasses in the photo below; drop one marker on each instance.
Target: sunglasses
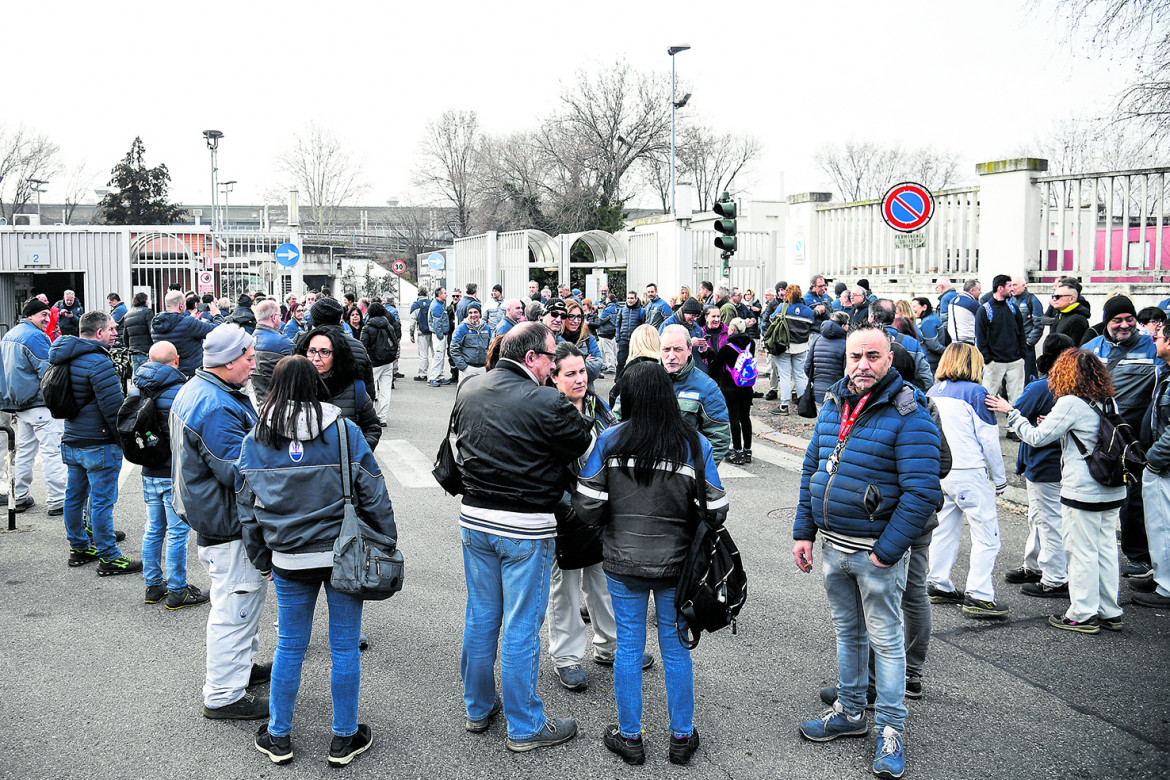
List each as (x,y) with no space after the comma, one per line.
(556,315)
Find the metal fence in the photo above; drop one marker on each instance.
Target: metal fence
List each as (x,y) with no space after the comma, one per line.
(747,264)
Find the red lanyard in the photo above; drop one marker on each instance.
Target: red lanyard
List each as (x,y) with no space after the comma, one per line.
(848,418)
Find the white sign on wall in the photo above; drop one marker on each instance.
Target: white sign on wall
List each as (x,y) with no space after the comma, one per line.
(34,253)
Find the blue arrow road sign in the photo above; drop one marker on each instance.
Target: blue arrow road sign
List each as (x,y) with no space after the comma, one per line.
(288,255)
(436,261)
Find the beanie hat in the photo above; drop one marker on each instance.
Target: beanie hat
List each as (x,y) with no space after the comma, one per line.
(692,306)
(475,305)
(225,344)
(840,288)
(33,306)
(555,304)
(1055,344)
(326,311)
(1118,304)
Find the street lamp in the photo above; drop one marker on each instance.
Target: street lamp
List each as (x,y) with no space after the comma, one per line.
(227,188)
(38,184)
(674,106)
(212,137)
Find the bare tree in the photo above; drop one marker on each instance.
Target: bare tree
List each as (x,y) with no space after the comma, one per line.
(1139,29)
(863,170)
(79,185)
(24,155)
(656,174)
(512,185)
(448,164)
(714,159)
(321,167)
(936,170)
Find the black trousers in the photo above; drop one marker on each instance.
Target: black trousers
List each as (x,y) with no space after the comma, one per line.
(739,410)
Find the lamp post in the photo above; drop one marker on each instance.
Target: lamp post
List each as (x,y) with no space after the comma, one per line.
(674,106)
(227,188)
(38,184)
(212,137)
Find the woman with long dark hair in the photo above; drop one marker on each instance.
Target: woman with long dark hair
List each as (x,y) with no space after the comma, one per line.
(353,318)
(1089,510)
(328,350)
(291,506)
(640,485)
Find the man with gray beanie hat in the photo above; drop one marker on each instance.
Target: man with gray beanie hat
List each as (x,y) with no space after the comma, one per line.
(208,421)
(1131,357)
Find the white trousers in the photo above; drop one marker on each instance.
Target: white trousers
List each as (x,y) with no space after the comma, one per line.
(237,599)
(470,371)
(608,349)
(995,373)
(967,493)
(1044,548)
(438,357)
(1156,495)
(424,353)
(384,384)
(567,635)
(1094,575)
(36,430)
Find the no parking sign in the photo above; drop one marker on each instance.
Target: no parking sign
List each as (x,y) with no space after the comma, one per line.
(907,206)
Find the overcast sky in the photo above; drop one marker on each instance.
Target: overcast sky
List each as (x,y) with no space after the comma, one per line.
(980,78)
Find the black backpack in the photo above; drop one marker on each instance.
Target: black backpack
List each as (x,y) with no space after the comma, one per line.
(57,392)
(383,347)
(1118,458)
(144,439)
(712,588)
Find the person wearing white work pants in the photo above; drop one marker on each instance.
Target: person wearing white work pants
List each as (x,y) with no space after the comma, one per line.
(438,357)
(424,354)
(1094,575)
(1044,547)
(567,635)
(608,349)
(36,430)
(967,493)
(238,591)
(995,373)
(384,385)
(470,371)
(1156,495)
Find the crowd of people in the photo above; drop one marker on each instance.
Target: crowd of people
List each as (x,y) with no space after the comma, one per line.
(564,494)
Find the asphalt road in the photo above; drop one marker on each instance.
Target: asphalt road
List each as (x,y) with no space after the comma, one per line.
(94,683)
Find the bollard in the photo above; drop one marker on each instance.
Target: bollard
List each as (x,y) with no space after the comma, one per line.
(10,459)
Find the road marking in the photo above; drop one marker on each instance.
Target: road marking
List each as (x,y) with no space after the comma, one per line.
(728,471)
(407,463)
(124,474)
(778,456)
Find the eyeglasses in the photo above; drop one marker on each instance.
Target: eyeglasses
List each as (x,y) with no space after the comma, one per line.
(549,355)
(324,353)
(577,317)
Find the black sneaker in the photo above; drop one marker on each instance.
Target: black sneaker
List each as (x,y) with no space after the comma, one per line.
(1041,591)
(607,660)
(24,504)
(420,379)
(1090,626)
(247,707)
(1111,624)
(120,565)
(82,557)
(629,748)
(155,593)
(781,410)
(189,596)
(829,695)
(56,511)
(480,726)
(770,395)
(682,748)
(554,732)
(399,375)
(342,750)
(976,608)
(913,687)
(745,457)
(939,596)
(1021,575)
(1143,586)
(119,536)
(260,674)
(278,749)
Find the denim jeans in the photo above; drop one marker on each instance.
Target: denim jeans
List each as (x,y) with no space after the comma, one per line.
(866,603)
(631,597)
(162,521)
(507,588)
(296,600)
(92,475)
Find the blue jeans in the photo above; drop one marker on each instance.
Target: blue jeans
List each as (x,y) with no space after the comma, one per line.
(162,521)
(507,587)
(92,475)
(866,603)
(631,598)
(296,600)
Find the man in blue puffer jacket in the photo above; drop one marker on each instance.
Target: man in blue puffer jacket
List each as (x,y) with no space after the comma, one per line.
(440,325)
(184,331)
(869,484)
(470,343)
(628,318)
(89,447)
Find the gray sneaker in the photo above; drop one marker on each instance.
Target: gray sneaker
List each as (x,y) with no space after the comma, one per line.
(554,733)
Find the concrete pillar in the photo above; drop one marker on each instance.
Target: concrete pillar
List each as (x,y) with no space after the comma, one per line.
(1009,217)
(801,259)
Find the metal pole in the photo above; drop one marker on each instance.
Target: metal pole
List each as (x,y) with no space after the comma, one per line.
(214,192)
(10,459)
(672,111)
(38,191)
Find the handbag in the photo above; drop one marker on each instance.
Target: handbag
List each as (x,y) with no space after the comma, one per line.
(807,405)
(366,564)
(446,470)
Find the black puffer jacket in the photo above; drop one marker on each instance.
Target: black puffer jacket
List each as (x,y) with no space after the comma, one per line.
(95,386)
(186,333)
(514,440)
(135,329)
(355,403)
(825,364)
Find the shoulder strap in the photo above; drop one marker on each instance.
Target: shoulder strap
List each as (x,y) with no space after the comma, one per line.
(1114,360)
(343,442)
(904,401)
(701,482)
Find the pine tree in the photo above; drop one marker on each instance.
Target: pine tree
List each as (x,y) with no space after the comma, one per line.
(139,194)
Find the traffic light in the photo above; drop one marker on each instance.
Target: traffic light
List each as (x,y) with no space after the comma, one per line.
(725,207)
